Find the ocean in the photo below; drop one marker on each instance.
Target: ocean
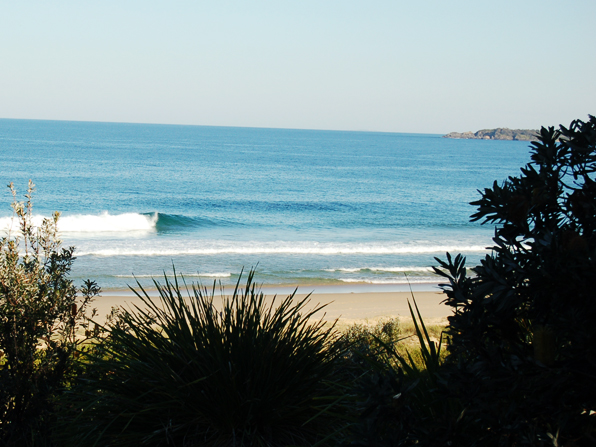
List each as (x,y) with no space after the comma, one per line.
(317,209)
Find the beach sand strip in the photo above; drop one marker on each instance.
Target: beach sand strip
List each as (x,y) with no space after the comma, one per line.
(348,308)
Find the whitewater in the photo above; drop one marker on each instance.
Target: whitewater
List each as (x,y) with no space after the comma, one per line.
(305,207)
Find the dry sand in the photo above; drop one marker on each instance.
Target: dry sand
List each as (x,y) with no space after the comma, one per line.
(349,308)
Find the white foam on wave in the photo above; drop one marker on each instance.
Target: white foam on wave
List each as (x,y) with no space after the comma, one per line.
(12,224)
(401,269)
(187,275)
(382,269)
(92,223)
(272,248)
(105,222)
(396,280)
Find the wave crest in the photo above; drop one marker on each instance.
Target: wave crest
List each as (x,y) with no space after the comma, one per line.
(92,223)
(105,222)
(121,223)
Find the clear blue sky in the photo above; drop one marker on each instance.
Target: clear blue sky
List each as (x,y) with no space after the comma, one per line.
(415,66)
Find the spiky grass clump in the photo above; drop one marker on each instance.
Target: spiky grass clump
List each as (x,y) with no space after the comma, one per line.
(183,371)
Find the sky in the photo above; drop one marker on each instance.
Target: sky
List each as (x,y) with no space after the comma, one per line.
(394,66)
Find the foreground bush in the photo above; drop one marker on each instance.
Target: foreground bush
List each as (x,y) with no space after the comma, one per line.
(521,360)
(397,400)
(184,370)
(364,344)
(523,338)
(39,317)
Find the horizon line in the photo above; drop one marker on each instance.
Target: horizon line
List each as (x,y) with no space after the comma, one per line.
(215,125)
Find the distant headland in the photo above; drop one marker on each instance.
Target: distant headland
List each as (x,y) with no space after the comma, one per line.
(496,134)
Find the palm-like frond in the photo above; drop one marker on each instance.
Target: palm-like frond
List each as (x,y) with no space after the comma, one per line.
(183,370)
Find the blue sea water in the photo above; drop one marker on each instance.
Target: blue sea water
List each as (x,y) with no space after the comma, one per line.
(306,207)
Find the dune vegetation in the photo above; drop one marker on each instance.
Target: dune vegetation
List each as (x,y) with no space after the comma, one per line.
(515,365)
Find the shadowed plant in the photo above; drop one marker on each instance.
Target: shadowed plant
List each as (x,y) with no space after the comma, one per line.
(182,370)
(522,351)
(41,316)
(398,403)
(360,341)
(429,350)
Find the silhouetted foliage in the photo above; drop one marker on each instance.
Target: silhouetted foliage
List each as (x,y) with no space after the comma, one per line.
(185,370)
(39,317)
(523,334)
(397,402)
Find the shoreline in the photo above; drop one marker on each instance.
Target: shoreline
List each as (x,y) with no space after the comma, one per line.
(318,289)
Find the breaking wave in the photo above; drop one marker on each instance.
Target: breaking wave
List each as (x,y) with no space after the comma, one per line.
(120,223)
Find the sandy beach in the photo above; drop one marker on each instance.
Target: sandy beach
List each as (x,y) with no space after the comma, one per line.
(347,307)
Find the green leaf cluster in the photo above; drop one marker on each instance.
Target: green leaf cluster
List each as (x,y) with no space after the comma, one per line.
(523,341)
(40,314)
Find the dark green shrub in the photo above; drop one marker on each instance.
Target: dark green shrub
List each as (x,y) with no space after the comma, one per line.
(398,403)
(521,364)
(362,343)
(39,317)
(523,338)
(184,370)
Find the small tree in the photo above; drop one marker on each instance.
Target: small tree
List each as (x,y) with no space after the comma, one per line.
(523,333)
(39,317)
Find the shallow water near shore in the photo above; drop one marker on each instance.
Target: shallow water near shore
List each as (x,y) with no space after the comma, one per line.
(306,207)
